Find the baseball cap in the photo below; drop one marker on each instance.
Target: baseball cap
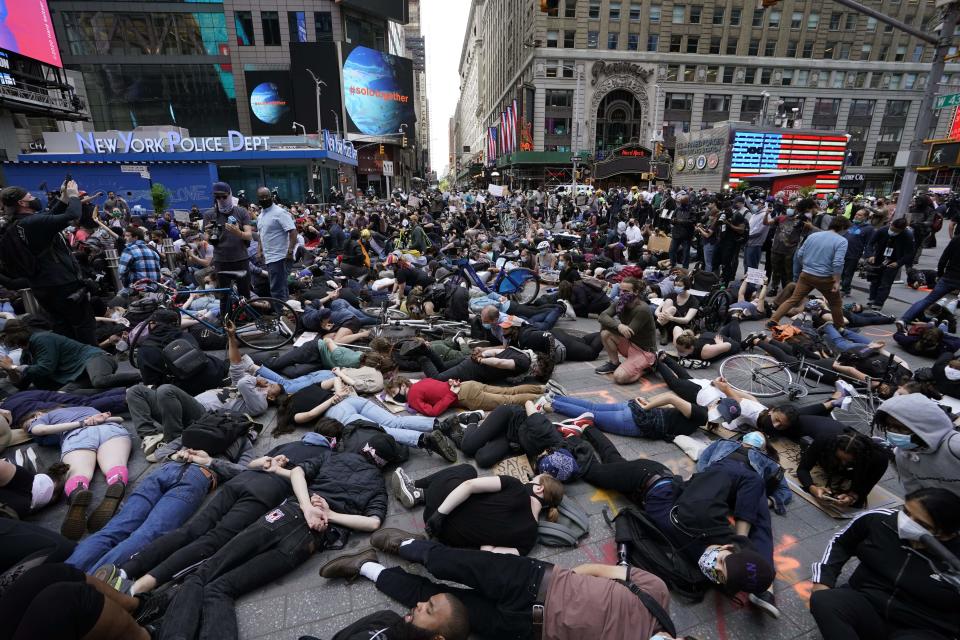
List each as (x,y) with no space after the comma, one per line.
(12,195)
(729,409)
(748,571)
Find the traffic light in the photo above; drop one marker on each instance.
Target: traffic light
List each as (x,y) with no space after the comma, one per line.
(382,151)
(404,141)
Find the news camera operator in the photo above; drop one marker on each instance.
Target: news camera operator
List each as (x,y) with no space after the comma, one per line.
(39,253)
(229,231)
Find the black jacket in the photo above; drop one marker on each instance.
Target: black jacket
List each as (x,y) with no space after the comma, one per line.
(374,625)
(56,266)
(588,299)
(358,433)
(949,265)
(350,484)
(153,368)
(902,245)
(896,578)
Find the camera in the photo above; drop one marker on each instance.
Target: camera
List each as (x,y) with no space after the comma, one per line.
(216,230)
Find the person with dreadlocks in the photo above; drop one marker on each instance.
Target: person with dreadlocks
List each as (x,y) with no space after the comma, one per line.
(850,462)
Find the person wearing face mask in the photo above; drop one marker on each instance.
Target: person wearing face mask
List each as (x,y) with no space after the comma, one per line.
(278,240)
(948,279)
(851,463)
(629,330)
(786,238)
(859,236)
(892,249)
(754,452)
(897,591)
(926,445)
(230,252)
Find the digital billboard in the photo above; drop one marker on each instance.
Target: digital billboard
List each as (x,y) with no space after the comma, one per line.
(395,10)
(270,97)
(323,60)
(759,152)
(378,92)
(26,29)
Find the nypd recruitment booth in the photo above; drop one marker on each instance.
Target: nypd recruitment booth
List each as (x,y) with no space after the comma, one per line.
(130,162)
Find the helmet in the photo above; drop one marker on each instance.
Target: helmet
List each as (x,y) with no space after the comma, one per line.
(365,234)
(543,246)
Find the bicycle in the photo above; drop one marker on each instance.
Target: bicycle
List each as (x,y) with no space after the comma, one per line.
(263,324)
(766,377)
(522,285)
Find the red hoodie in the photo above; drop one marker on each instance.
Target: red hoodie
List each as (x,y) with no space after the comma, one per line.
(430,397)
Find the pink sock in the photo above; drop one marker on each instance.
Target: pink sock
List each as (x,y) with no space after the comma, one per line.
(117,474)
(76,482)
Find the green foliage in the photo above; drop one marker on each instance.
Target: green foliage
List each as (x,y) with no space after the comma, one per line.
(160,196)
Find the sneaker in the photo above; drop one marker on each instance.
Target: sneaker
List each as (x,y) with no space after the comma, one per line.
(846,389)
(348,566)
(899,282)
(570,314)
(388,539)
(26,459)
(403,488)
(436,442)
(456,434)
(112,575)
(749,341)
(470,417)
(152,458)
(765,601)
(556,388)
(107,507)
(605,368)
(581,422)
(152,605)
(567,430)
(542,404)
(901,326)
(445,425)
(150,443)
(74,523)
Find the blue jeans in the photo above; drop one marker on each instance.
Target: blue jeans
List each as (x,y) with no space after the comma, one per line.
(545,320)
(679,251)
(610,417)
(709,248)
(292,386)
(404,429)
(161,502)
(845,341)
(343,310)
(751,257)
(942,288)
(278,273)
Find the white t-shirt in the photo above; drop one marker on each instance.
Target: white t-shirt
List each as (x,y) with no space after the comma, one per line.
(708,393)
(749,412)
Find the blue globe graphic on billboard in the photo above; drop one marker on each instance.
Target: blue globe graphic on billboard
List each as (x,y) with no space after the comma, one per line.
(267,103)
(373,92)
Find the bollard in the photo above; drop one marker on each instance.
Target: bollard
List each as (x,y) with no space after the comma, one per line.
(30,303)
(113,264)
(170,253)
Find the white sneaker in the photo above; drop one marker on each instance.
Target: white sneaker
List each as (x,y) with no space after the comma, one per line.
(541,403)
(846,389)
(570,314)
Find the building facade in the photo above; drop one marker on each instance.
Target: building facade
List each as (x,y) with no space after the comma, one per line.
(593,75)
(415,49)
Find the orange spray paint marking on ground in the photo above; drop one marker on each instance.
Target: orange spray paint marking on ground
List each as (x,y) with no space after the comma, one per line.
(787,567)
(602,495)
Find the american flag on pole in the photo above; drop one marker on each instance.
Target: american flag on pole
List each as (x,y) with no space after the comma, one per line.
(504,127)
(514,119)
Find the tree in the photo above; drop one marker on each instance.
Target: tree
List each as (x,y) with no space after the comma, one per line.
(160,196)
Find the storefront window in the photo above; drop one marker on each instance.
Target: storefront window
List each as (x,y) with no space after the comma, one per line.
(103,33)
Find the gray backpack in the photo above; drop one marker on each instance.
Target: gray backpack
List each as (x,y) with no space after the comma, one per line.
(572,525)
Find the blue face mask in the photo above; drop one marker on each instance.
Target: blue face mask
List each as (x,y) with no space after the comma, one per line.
(901,441)
(488,327)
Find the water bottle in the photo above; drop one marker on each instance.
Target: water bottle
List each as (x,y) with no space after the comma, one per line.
(232,220)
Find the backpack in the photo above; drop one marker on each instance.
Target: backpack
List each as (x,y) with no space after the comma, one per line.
(183,359)
(215,431)
(18,260)
(572,525)
(207,338)
(649,549)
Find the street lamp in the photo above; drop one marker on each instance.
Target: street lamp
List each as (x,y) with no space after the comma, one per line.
(764,105)
(336,119)
(317,81)
(303,128)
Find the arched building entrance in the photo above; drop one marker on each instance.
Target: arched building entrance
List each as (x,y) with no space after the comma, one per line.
(618,122)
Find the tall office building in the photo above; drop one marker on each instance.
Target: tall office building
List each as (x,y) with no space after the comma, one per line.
(415,49)
(592,75)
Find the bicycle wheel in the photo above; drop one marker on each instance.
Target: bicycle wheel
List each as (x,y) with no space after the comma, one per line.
(760,376)
(392,313)
(527,292)
(717,308)
(265,323)
(858,415)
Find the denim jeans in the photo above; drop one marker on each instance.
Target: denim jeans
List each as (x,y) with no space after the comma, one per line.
(845,341)
(278,272)
(343,311)
(275,544)
(613,418)
(301,382)
(942,288)
(709,248)
(546,319)
(751,256)
(679,252)
(881,285)
(161,502)
(404,429)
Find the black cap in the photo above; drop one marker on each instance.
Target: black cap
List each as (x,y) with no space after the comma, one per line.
(10,196)
(748,571)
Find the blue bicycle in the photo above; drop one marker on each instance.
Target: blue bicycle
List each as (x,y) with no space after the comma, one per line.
(520,284)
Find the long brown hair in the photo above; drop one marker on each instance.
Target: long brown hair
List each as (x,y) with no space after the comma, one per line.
(552,496)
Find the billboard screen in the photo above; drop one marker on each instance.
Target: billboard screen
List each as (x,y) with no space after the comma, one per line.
(323,60)
(26,29)
(270,97)
(378,92)
(758,152)
(395,10)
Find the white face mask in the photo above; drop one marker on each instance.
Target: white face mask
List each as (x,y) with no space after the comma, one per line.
(952,374)
(910,529)
(42,492)
(713,415)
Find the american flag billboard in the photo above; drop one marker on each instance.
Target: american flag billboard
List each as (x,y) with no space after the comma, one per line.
(758,152)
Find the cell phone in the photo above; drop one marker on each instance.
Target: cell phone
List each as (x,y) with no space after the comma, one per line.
(829,497)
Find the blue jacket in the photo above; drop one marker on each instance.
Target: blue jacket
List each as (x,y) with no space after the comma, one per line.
(764,466)
(858,239)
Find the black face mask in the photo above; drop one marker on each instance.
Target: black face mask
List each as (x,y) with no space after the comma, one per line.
(530,488)
(265,204)
(35,204)
(765,423)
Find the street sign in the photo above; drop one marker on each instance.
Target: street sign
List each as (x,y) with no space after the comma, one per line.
(575,159)
(949,100)
(388,168)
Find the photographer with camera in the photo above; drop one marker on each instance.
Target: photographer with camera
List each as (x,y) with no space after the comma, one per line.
(33,247)
(229,231)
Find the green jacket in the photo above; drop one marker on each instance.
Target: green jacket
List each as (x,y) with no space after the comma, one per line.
(639,318)
(56,360)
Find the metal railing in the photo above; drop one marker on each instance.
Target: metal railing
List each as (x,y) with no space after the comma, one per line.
(37,96)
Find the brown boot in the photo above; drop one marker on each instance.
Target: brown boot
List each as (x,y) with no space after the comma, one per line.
(388,539)
(107,507)
(348,565)
(73,523)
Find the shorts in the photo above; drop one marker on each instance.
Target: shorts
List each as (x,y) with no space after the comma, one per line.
(637,360)
(91,438)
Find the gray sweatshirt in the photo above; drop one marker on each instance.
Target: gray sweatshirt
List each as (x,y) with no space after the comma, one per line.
(938,463)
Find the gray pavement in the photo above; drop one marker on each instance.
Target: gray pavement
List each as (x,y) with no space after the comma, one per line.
(304,604)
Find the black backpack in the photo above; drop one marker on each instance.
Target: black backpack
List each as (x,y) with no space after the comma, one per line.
(18,260)
(183,359)
(649,549)
(567,531)
(215,431)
